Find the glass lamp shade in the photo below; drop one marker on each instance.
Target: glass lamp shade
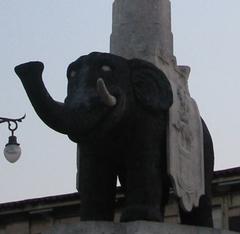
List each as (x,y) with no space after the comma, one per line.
(12,150)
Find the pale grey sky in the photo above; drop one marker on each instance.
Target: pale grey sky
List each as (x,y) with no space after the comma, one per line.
(206,37)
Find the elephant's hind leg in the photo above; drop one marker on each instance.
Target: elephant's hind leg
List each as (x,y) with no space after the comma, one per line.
(200,216)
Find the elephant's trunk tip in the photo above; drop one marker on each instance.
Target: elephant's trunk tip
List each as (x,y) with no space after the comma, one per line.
(29,69)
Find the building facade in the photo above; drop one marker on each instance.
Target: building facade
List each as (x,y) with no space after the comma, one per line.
(34,216)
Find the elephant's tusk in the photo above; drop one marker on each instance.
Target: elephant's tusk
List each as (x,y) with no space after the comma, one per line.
(103,92)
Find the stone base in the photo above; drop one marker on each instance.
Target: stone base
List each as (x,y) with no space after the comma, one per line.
(138,227)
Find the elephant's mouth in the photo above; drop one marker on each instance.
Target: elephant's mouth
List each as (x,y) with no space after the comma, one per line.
(112,117)
(98,120)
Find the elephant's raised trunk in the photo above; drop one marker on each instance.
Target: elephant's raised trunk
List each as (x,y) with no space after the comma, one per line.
(52,113)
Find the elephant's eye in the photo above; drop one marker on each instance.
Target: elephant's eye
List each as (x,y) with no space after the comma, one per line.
(106,68)
(73,73)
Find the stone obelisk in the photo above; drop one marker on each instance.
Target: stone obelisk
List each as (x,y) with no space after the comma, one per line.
(142,29)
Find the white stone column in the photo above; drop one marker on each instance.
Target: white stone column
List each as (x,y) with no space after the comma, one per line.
(142,29)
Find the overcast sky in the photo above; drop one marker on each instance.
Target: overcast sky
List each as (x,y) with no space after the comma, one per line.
(206,37)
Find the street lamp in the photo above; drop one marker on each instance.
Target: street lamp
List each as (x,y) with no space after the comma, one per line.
(12,150)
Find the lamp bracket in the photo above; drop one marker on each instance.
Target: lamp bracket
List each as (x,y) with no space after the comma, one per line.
(12,123)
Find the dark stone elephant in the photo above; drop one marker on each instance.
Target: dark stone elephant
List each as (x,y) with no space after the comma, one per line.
(117,111)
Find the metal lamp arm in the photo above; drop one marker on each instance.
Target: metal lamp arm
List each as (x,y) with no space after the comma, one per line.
(12,123)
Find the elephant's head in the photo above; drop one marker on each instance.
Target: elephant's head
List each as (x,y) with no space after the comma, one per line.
(102,88)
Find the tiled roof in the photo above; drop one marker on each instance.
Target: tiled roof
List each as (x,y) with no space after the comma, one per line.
(41,200)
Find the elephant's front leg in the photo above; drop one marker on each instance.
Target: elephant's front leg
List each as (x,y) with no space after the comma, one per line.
(145,179)
(144,188)
(97,184)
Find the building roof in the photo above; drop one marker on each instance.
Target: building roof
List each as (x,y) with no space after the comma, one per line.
(73,198)
(227,172)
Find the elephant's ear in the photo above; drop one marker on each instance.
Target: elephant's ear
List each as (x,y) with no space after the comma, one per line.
(150,85)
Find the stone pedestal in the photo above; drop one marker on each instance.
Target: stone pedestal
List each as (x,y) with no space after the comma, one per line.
(139,227)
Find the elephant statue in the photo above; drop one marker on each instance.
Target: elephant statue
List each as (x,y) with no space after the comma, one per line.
(116,110)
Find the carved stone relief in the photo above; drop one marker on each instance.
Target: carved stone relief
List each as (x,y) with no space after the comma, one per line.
(185,144)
